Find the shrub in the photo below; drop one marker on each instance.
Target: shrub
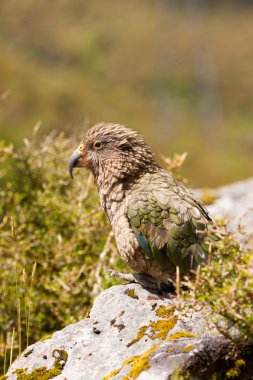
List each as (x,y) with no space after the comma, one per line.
(226,284)
(48,219)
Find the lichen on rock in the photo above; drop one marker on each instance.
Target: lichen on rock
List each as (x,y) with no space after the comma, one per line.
(131,293)
(138,363)
(145,336)
(156,329)
(43,373)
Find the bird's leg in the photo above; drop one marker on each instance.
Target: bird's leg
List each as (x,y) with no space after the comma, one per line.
(146,281)
(142,279)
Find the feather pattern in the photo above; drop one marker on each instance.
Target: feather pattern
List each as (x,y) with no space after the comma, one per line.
(168,222)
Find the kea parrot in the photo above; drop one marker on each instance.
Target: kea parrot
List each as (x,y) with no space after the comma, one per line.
(157,222)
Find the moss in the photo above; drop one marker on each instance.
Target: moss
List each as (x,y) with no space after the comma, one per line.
(131,293)
(60,356)
(29,352)
(235,372)
(20,370)
(165,312)
(43,373)
(214,376)
(189,348)
(178,374)
(45,337)
(159,329)
(138,364)
(181,334)
(240,363)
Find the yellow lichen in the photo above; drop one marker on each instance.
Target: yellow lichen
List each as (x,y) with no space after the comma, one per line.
(131,293)
(138,364)
(45,337)
(87,314)
(112,374)
(170,349)
(43,373)
(189,348)
(240,363)
(181,334)
(165,312)
(233,372)
(159,329)
(140,334)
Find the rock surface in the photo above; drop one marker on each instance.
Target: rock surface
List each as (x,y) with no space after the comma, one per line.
(132,333)
(234,202)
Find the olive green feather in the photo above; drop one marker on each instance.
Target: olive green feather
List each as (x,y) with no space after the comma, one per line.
(169,225)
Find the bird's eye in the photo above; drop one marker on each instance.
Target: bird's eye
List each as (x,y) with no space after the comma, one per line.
(97,144)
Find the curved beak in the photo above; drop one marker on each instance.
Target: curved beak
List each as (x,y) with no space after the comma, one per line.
(74,161)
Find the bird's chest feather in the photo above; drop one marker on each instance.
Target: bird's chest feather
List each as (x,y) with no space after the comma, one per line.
(124,235)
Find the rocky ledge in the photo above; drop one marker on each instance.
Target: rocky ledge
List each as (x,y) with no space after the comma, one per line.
(131,333)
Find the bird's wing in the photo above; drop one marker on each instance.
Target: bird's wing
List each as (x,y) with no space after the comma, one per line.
(169,223)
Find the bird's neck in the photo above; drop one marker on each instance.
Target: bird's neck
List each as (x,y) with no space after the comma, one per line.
(111,195)
(113,186)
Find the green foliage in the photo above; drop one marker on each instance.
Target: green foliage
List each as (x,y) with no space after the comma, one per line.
(50,220)
(226,284)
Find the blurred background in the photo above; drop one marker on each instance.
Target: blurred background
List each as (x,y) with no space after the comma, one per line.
(180,72)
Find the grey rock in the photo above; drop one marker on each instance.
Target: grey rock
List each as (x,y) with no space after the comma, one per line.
(119,318)
(234,202)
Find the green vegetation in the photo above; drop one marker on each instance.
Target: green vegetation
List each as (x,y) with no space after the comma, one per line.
(226,284)
(54,244)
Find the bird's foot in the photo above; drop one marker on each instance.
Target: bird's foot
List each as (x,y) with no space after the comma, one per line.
(144,280)
(123,276)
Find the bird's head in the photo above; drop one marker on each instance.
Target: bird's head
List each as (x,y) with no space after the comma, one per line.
(113,151)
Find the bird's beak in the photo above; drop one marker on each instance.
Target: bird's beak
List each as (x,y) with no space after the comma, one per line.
(74,161)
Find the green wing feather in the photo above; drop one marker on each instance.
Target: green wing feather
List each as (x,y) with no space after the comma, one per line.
(169,224)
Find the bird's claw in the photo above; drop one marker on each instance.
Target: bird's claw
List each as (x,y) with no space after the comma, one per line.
(146,281)
(123,276)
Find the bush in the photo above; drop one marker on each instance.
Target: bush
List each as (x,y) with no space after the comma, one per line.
(54,243)
(226,284)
